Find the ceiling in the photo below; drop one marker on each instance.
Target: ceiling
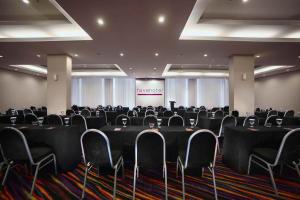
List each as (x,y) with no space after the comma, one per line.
(131,27)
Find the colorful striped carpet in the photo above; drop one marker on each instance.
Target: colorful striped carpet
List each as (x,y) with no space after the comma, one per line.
(150,185)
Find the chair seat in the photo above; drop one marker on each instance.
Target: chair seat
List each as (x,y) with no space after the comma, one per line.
(39,153)
(267,154)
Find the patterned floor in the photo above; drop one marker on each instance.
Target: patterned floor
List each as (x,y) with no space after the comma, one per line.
(230,185)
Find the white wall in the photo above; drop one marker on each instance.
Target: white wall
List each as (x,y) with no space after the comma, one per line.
(279,92)
(19,90)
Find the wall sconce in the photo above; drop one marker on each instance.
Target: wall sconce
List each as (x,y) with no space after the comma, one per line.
(55,77)
(244,76)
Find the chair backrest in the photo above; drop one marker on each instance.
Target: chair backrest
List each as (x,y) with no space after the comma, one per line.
(54,120)
(14,145)
(33,108)
(227,121)
(272,112)
(132,113)
(147,156)
(150,119)
(271,120)
(149,112)
(119,118)
(103,113)
(86,113)
(289,113)
(202,113)
(27,111)
(75,108)
(219,114)
(181,107)
(70,112)
(215,109)
(289,148)
(202,108)
(257,110)
(201,149)
(79,120)
(95,148)
(29,118)
(176,120)
(235,113)
(226,109)
(247,121)
(167,113)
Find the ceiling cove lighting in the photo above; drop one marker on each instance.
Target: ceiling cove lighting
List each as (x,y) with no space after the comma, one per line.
(26,1)
(33,68)
(203,74)
(161,19)
(98,73)
(265,69)
(100,21)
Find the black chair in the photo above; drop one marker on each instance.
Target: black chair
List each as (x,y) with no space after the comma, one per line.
(219,114)
(70,112)
(167,113)
(150,119)
(202,113)
(132,113)
(202,108)
(54,120)
(27,111)
(103,113)
(79,120)
(200,152)
(287,153)
(119,121)
(257,110)
(289,113)
(149,112)
(96,151)
(235,113)
(147,157)
(15,150)
(29,118)
(33,108)
(181,108)
(272,112)
(226,109)
(271,120)
(75,108)
(176,120)
(215,109)
(227,121)
(246,122)
(86,112)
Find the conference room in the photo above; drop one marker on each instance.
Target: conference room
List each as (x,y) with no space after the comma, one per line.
(146,99)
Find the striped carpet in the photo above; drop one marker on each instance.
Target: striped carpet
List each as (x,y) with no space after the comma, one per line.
(150,185)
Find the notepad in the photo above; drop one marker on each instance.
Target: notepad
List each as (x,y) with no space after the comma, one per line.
(117,129)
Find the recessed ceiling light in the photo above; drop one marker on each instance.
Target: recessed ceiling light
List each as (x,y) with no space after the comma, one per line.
(1,56)
(257,56)
(76,55)
(154,68)
(100,21)
(245,1)
(130,68)
(38,55)
(161,19)
(121,54)
(156,54)
(299,57)
(205,55)
(26,1)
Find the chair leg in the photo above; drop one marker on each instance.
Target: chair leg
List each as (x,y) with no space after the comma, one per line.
(182,182)
(249,165)
(115,183)
(214,181)
(6,173)
(272,180)
(281,169)
(84,181)
(166,181)
(34,178)
(134,181)
(177,163)
(55,165)
(123,171)
(297,168)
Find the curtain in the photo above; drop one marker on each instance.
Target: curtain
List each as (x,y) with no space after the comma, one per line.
(212,92)
(124,92)
(176,89)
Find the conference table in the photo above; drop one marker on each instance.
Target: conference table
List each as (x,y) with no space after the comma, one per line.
(64,141)
(239,142)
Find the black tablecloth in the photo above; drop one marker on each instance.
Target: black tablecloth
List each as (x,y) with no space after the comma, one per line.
(175,137)
(64,141)
(239,142)
(212,124)
(40,113)
(95,122)
(5,119)
(138,121)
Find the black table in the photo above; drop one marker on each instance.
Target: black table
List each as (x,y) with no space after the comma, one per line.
(95,122)
(138,121)
(209,123)
(239,142)
(64,141)
(176,138)
(5,119)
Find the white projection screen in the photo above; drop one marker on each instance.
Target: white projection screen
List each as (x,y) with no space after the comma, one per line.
(150,92)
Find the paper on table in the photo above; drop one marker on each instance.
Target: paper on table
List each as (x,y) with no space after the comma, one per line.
(23,127)
(189,129)
(50,128)
(253,129)
(117,129)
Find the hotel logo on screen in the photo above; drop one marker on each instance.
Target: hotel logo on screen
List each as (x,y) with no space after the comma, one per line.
(150,92)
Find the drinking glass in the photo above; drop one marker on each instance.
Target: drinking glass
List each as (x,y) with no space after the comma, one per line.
(159,122)
(156,114)
(279,122)
(251,121)
(40,121)
(79,112)
(192,122)
(194,109)
(97,113)
(13,120)
(13,112)
(213,114)
(124,121)
(175,113)
(67,120)
(151,125)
